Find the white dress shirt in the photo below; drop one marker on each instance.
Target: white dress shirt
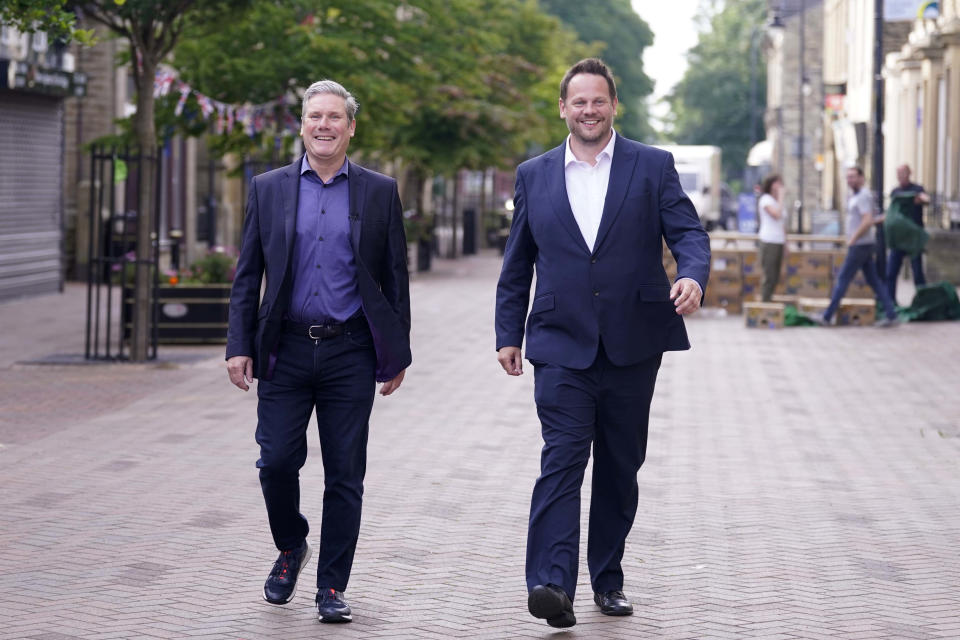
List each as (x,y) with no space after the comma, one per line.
(587,188)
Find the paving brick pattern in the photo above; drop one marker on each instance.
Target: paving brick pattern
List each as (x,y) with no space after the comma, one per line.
(800,483)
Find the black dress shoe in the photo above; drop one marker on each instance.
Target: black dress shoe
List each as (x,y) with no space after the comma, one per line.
(613,603)
(551,603)
(281,584)
(331,607)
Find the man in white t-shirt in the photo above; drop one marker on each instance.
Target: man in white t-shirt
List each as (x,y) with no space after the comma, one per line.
(861,247)
(772,234)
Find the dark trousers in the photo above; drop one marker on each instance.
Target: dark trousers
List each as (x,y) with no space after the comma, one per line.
(771,260)
(893,270)
(336,377)
(860,256)
(606,407)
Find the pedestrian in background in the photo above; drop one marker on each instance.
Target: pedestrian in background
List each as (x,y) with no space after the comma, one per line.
(335,318)
(591,216)
(772,234)
(915,213)
(861,249)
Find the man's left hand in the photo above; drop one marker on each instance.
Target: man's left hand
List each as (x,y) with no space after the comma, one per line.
(686,295)
(392,385)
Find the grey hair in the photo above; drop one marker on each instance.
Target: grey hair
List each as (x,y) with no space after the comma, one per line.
(335,88)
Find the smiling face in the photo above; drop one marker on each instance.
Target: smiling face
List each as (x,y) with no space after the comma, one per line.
(326,129)
(589,109)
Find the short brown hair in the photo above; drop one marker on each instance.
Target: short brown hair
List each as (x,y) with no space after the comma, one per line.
(593,66)
(856,168)
(767,185)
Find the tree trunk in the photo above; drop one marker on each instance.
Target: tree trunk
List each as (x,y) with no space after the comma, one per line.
(145,130)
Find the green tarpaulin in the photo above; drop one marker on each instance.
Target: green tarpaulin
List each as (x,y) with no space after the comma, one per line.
(900,231)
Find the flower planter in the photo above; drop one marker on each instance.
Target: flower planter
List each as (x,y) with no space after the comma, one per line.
(186,313)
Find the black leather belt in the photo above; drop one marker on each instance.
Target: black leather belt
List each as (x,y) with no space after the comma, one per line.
(326,330)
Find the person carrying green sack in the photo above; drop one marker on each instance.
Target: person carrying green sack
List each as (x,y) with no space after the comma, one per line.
(903,229)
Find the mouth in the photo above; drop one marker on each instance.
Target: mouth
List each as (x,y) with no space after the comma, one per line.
(323,138)
(589,123)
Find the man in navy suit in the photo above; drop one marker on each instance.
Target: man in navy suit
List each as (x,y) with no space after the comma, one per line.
(334,318)
(591,217)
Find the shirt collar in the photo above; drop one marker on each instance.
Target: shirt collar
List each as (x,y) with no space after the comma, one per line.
(568,156)
(343,171)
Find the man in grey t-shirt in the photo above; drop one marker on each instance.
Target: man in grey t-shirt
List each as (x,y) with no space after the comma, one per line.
(861,246)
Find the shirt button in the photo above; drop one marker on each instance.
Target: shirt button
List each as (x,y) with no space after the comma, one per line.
(323,210)
(314,293)
(318,267)
(320,238)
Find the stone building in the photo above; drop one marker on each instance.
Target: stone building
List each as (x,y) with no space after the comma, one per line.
(793,116)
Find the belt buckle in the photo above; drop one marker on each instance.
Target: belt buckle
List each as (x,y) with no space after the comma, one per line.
(316,326)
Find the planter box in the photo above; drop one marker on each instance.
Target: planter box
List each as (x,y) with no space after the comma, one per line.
(186,313)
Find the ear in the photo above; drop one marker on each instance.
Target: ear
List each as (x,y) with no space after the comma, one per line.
(563,115)
(353,127)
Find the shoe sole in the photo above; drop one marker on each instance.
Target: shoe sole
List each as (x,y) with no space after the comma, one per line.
(545,604)
(335,620)
(303,564)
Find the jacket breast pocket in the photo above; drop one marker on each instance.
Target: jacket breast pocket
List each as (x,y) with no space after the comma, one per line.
(544,302)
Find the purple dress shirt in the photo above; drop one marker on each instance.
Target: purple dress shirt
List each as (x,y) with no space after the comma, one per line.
(324,271)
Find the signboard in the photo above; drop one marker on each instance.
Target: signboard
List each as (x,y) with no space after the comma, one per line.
(23,76)
(747,213)
(899,10)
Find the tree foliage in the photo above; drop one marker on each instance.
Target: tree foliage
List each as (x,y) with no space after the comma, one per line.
(711,104)
(50,16)
(442,85)
(619,36)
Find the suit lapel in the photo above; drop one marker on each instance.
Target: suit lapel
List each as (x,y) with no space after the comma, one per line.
(557,186)
(621,173)
(289,194)
(357,187)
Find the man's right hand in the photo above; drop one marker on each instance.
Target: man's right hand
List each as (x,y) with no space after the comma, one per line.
(240,370)
(511,360)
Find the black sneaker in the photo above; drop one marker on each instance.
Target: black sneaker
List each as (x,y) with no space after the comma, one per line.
(281,584)
(331,607)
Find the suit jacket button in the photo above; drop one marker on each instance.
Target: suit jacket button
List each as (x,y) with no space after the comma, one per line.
(593,261)
(596,293)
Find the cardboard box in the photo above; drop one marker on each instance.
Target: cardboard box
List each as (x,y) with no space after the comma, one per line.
(763,315)
(725,261)
(856,312)
(750,263)
(810,263)
(806,286)
(785,299)
(728,301)
(751,287)
(725,282)
(812,306)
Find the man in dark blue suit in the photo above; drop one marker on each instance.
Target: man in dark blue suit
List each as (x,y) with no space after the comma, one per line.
(591,217)
(334,318)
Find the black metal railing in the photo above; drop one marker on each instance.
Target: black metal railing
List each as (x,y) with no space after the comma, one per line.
(113,258)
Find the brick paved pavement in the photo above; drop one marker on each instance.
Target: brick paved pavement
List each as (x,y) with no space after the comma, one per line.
(800,484)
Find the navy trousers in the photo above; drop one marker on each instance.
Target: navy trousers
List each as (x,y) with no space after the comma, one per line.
(606,407)
(893,270)
(335,377)
(860,257)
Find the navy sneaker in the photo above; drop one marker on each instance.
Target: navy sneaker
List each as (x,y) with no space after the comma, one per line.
(281,584)
(331,607)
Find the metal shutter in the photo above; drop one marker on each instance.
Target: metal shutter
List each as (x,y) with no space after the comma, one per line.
(31,188)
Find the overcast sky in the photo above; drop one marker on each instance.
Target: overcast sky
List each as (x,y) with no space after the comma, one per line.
(674,33)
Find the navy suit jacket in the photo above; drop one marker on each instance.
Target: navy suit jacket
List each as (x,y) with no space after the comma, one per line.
(619,291)
(380,253)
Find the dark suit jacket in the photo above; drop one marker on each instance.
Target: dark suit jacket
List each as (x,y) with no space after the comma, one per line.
(379,248)
(619,291)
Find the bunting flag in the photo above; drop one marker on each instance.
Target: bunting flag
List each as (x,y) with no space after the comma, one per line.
(251,119)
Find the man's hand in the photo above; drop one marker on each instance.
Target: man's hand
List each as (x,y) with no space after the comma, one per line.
(511,360)
(393,384)
(240,370)
(686,295)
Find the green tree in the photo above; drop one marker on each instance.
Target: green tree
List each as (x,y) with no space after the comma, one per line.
(50,16)
(619,35)
(711,104)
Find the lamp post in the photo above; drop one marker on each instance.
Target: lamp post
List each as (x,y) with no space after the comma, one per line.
(878,90)
(803,90)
